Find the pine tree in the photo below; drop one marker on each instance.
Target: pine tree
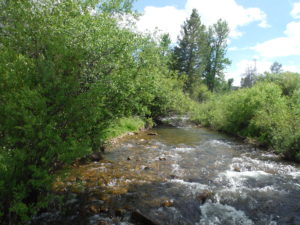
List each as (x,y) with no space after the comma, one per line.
(201,53)
(189,55)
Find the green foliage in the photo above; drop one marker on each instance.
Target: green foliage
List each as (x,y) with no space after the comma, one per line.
(216,55)
(190,52)
(122,126)
(201,53)
(199,92)
(262,112)
(289,82)
(66,73)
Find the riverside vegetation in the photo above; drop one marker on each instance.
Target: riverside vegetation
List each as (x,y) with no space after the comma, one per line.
(267,113)
(74,74)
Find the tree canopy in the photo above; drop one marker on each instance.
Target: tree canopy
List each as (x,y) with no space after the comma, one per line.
(201,52)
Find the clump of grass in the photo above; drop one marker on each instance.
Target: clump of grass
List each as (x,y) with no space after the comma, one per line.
(122,126)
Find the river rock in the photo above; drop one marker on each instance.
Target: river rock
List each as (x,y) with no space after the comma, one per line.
(96,156)
(162,159)
(94,209)
(237,169)
(152,134)
(120,212)
(102,222)
(167,203)
(147,168)
(138,217)
(202,197)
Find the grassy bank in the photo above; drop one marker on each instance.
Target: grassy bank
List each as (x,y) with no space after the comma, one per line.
(121,127)
(264,113)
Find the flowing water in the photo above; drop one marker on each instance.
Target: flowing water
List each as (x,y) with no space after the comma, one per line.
(184,175)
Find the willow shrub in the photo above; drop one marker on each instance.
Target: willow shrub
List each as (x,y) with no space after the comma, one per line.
(66,73)
(261,112)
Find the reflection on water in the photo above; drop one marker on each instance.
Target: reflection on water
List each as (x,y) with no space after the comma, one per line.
(184,175)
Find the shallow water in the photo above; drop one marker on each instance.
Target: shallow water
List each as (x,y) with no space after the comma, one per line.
(185,175)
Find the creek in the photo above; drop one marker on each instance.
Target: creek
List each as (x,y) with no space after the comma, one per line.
(181,175)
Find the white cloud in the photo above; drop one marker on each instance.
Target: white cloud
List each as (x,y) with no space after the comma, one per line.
(282,46)
(296,10)
(236,72)
(235,14)
(262,65)
(169,19)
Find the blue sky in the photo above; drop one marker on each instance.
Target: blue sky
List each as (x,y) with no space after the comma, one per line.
(261,30)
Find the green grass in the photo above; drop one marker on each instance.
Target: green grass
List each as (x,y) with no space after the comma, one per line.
(122,126)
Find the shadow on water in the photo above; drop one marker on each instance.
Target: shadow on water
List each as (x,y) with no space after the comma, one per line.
(181,176)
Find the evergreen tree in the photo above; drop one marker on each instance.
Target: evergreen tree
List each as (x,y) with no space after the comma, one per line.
(201,53)
(189,55)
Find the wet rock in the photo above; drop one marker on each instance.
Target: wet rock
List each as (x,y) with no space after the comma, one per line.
(104,210)
(147,168)
(202,197)
(96,156)
(172,176)
(102,222)
(167,203)
(237,169)
(120,212)
(162,159)
(152,134)
(94,209)
(139,218)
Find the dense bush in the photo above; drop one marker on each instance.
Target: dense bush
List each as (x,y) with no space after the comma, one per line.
(265,112)
(66,73)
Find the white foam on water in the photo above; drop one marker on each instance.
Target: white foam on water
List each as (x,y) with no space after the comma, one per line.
(270,155)
(295,174)
(183,149)
(176,170)
(218,214)
(217,143)
(245,163)
(175,156)
(192,187)
(236,180)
